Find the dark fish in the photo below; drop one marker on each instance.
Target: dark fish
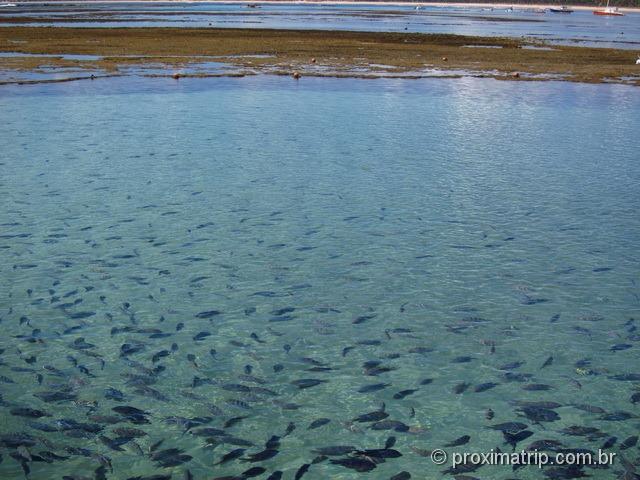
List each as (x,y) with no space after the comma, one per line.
(547,362)
(358,464)
(335,450)
(28,412)
(232,455)
(233,421)
(514,438)
(589,408)
(201,336)
(401,476)
(538,415)
(509,427)
(459,441)
(301,471)
(50,397)
(627,377)
(511,366)
(127,410)
(610,442)
(483,387)
(362,319)
(307,382)
(461,387)
(536,387)
(208,314)
(404,393)
(373,388)
(371,416)
(379,454)
(261,456)
(253,472)
(318,423)
(390,425)
(629,442)
(617,416)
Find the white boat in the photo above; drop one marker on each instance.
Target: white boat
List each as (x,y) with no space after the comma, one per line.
(610,11)
(8,5)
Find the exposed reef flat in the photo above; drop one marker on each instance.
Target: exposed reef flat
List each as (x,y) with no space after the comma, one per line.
(32,54)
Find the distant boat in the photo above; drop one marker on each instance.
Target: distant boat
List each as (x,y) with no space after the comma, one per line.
(562,9)
(8,5)
(610,11)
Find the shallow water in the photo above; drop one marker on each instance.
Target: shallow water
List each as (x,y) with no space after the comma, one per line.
(406,222)
(577,28)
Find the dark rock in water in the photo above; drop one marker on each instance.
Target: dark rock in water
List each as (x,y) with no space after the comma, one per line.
(357,464)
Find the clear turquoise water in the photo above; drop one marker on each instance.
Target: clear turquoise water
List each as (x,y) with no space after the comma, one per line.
(424,205)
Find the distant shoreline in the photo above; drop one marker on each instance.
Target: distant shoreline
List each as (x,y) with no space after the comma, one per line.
(498,5)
